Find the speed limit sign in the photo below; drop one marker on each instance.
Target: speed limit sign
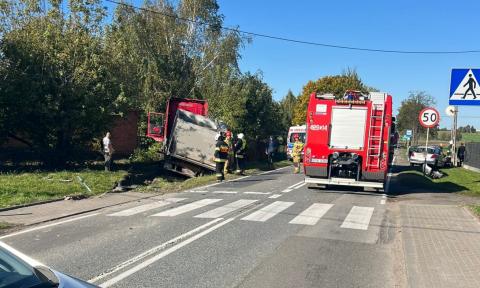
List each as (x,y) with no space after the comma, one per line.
(429,117)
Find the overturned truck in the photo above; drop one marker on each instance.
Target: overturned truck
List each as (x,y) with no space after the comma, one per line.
(187,135)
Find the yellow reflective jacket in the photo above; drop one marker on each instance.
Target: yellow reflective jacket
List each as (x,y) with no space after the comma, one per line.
(297,149)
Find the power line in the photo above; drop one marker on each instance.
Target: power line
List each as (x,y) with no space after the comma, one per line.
(255,34)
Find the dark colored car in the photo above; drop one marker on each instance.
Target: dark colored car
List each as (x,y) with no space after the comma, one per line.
(20,271)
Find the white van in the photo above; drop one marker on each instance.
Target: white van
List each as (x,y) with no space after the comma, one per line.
(301,132)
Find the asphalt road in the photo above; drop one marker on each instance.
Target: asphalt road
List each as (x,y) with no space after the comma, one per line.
(268,230)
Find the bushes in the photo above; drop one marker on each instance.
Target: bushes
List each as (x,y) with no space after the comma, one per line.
(149,154)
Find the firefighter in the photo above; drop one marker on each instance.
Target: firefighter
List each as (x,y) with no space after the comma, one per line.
(240,152)
(297,153)
(221,155)
(231,153)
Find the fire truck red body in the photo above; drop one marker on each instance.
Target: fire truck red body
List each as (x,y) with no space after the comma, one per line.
(348,140)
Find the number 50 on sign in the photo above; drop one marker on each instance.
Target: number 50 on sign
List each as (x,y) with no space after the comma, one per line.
(429,117)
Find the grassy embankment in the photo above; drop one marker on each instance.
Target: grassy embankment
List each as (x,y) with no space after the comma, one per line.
(456,180)
(19,188)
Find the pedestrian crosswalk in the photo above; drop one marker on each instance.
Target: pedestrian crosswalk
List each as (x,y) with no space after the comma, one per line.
(357,218)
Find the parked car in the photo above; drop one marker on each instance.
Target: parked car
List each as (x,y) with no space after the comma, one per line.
(20,271)
(435,157)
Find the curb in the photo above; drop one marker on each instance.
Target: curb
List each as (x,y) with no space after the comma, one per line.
(30,204)
(80,212)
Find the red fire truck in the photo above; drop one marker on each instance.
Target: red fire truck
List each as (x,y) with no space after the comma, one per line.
(348,139)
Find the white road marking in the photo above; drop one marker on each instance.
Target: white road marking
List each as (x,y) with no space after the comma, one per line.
(312,214)
(299,183)
(257,193)
(224,192)
(146,207)
(198,191)
(299,186)
(159,256)
(220,211)
(267,172)
(267,212)
(275,196)
(187,207)
(358,218)
(48,225)
(383,201)
(153,251)
(287,190)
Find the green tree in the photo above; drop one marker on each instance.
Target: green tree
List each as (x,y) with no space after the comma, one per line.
(287,106)
(407,117)
(57,91)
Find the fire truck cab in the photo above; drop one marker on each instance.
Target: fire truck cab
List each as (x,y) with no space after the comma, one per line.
(348,139)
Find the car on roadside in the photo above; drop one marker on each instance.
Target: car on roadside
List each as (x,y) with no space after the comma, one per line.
(435,156)
(20,271)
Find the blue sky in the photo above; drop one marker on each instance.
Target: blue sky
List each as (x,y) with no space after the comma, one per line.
(394,25)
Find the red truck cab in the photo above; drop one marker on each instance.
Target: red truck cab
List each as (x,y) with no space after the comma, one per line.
(160,124)
(348,139)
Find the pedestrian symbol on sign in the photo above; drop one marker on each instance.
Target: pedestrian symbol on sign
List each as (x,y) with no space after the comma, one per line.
(472,84)
(464,87)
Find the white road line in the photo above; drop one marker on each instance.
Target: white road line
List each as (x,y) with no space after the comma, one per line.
(187,207)
(224,192)
(312,214)
(358,218)
(49,225)
(257,193)
(299,183)
(220,211)
(146,207)
(287,190)
(197,191)
(267,172)
(299,186)
(275,196)
(152,251)
(159,256)
(268,212)
(383,201)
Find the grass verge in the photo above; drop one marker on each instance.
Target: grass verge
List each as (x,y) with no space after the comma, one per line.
(456,180)
(27,188)
(5,225)
(166,184)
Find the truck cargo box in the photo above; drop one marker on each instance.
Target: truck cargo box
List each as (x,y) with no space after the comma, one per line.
(192,141)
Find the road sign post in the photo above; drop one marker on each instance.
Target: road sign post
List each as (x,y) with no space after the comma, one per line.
(428,118)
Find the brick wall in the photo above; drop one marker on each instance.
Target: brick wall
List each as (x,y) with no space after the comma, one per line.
(124,133)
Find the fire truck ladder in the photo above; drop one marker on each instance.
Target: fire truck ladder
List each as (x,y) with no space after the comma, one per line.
(374,150)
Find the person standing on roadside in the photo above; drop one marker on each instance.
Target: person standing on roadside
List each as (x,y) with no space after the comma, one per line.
(107,151)
(297,153)
(231,154)
(270,149)
(241,151)
(221,155)
(461,154)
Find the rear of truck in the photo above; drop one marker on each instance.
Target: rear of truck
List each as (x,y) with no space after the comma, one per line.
(188,136)
(348,140)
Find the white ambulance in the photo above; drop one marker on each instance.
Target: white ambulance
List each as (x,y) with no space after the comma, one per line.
(301,132)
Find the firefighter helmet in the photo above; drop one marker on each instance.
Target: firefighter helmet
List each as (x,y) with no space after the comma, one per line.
(228,133)
(295,136)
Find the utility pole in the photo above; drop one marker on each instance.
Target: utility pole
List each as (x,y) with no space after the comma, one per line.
(454,136)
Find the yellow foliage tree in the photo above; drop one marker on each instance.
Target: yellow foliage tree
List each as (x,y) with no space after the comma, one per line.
(336,85)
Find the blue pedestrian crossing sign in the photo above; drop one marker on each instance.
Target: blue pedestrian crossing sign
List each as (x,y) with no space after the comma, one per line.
(464,87)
